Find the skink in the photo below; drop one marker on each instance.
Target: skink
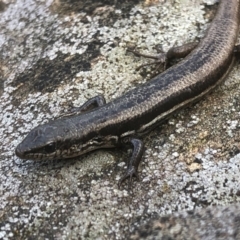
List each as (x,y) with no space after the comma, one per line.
(124,120)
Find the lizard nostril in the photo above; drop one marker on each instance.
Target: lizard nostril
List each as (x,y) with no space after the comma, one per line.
(18,152)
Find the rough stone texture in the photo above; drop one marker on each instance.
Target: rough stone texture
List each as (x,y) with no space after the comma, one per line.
(55,54)
(210,223)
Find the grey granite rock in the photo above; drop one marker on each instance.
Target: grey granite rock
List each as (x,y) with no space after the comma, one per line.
(57,54)
(207,224)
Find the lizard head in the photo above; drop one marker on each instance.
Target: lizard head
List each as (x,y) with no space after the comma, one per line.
(40,143)
(61,139)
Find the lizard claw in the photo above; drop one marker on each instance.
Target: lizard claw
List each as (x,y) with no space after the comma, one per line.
(130,173)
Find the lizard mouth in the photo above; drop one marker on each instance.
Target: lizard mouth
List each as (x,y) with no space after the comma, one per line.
(19,152)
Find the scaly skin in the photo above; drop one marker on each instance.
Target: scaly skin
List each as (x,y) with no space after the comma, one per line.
(126,118)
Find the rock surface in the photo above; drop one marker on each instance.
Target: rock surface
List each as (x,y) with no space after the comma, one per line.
(58,54)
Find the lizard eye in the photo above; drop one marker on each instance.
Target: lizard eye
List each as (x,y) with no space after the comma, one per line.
(98,139)
(50,148)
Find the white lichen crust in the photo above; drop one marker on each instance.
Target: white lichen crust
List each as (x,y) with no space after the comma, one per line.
(190,162)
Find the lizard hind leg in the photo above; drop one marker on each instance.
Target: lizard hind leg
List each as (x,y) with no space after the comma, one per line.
(164,58)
